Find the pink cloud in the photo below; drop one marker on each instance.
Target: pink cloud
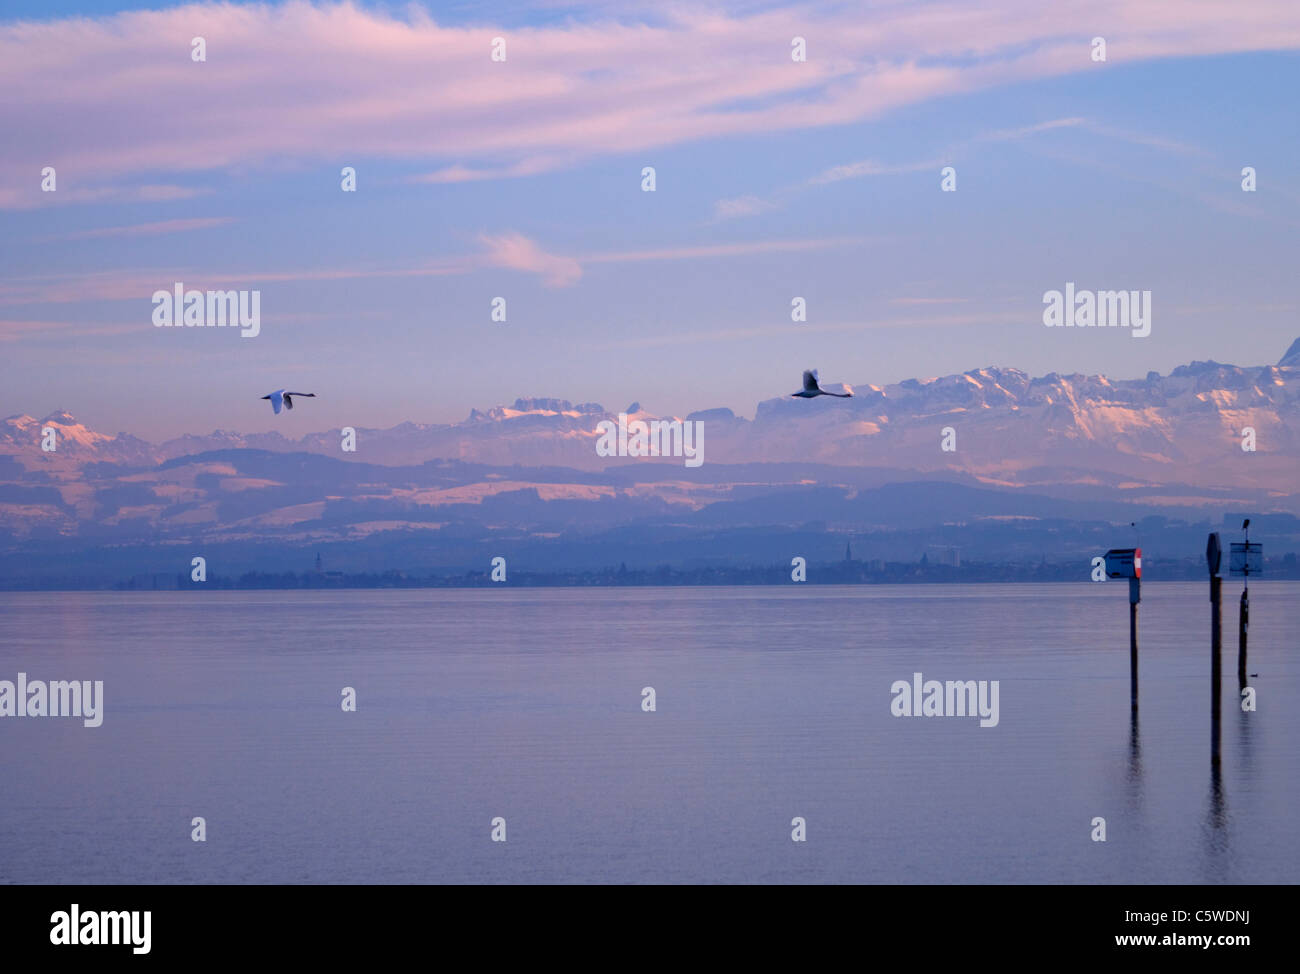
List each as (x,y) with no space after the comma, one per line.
(156,228)
(466,174)
(119,97)
(16,197)
(15,330)
(741,206)
(511,250)
(517,252)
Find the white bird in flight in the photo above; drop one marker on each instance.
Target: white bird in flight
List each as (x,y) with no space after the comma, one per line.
(812,390)
(280,396)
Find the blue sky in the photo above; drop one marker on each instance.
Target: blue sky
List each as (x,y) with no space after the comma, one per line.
(1123,174)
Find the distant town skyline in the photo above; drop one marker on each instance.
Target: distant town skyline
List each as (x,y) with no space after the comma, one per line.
(522,178)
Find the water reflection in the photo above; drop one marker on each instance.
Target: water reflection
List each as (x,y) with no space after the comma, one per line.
(1134,762)
(1215,832)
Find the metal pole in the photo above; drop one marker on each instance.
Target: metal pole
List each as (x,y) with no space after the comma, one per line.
(1134,597)
(1213,558)
(1243,624)
(1216,647)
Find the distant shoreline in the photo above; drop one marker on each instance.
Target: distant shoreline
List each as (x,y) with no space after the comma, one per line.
(834,573)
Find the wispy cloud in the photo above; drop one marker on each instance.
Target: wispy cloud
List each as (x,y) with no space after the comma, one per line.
(731,209)
(15,330)
(11,330)
(29,196)
(514,251)
(741,206)
(1024,131)
(958,150)
(156,228)
(1226,198)
(467,174)
(510,250)
(118,96)
(869,167)
(1149,139)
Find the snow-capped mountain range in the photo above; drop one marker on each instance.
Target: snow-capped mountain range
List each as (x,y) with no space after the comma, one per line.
(1007,427)
(1061,456)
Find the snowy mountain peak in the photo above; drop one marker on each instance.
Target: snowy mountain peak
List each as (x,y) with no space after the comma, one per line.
(539,407)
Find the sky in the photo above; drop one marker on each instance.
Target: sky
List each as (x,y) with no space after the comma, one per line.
(774,179)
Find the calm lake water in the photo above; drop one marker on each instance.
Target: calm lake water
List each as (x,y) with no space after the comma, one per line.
(526,704)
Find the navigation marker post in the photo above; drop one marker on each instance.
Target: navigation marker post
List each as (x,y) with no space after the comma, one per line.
(1245,559)
(1213,557)
(1127,563)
